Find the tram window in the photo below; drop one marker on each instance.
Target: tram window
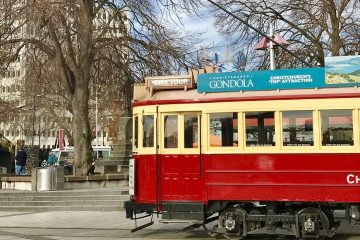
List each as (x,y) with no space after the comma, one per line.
(260,129)
(191,131)
(171,131)
(136,132)
(148,131)
(297,128)
(223,129)
(337,128)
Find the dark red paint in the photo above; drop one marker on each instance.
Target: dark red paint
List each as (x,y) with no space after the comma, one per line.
(248,177)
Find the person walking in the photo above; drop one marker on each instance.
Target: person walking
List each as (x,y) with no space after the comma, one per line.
(45,155)
(20,161)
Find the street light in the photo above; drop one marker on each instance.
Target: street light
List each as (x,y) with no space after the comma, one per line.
(96,117)
(33,118)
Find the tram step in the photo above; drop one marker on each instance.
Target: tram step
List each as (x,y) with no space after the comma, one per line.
(183,210)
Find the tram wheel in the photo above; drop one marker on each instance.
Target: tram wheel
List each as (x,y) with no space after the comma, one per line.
(231,223)
(313,221)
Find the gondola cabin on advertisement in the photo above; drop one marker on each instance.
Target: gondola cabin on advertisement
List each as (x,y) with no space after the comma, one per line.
(267,152)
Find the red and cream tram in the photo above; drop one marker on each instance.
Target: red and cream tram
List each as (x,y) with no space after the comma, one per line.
(257,162)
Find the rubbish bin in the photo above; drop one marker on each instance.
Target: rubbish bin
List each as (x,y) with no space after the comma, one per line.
(49,178)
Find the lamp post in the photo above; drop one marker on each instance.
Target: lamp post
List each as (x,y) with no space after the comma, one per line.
(96,117)
(33,118)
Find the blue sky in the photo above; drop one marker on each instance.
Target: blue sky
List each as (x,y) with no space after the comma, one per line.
(205,25)
(210,40)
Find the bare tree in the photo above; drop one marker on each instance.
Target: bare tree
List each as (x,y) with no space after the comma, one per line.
(67,39)
(315,29)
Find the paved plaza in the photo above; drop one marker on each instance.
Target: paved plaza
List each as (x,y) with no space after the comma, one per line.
(96,225)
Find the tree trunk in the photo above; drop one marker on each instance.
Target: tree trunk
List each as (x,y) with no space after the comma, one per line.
(82,132)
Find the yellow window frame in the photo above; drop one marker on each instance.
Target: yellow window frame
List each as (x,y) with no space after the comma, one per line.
(181,129)
(141,149)
(206,131)
(315,131)
(262,149)
(355,123)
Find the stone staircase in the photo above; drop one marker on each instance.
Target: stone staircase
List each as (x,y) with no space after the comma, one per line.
(70,200)
(118,162)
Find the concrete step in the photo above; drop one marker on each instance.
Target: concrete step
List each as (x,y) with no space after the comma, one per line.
(123,168)
(60,208)
(106,169)
(114,162)
(63,203)
(117,158)
(85,192)
(71,200)
(121,145)
(64,198)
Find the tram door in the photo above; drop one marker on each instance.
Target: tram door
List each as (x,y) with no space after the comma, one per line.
(181,157)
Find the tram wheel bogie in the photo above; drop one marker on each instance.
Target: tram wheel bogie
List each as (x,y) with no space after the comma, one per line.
(302,222)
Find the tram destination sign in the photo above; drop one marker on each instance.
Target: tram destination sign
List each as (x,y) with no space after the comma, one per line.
(169,82)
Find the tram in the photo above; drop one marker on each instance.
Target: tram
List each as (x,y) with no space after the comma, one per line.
(269,161)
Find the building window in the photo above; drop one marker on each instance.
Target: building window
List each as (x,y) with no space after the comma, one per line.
(260,129)
(171,131)
(148,131)
(191,130)
(297,128)
(223,129)
(337,128)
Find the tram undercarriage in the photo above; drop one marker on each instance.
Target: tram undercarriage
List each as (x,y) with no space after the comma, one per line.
(233,220)
(304,221)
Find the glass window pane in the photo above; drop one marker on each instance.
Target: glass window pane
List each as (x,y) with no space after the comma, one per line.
(223,129)
(297,128)
(260,129)
(136,130)
(171,131)
(337,128)
(148,131)
(191,131)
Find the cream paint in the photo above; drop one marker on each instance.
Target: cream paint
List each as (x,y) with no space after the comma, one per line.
(241,107)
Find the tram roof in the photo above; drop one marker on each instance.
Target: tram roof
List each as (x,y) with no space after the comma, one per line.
(192,96)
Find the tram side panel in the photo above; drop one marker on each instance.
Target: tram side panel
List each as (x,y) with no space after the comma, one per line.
(145,179)
(181,179)
(283,177)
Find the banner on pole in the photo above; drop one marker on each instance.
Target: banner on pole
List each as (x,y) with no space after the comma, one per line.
(61,139)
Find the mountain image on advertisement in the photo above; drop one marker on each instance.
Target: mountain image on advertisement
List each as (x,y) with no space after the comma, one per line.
(342,70)
(356,73)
